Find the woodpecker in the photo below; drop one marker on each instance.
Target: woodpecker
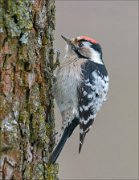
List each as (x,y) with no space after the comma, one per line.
(80,89)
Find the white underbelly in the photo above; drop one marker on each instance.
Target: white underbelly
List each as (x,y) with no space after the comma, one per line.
(65,89)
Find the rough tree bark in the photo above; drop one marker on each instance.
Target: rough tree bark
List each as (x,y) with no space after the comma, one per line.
(26,103)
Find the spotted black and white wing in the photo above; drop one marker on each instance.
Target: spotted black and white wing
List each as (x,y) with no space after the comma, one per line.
(92,92)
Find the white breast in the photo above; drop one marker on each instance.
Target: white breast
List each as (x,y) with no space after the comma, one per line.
(65,89)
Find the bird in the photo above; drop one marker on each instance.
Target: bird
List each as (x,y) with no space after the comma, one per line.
(80,88)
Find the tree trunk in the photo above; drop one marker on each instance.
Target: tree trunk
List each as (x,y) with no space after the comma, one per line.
(26,102)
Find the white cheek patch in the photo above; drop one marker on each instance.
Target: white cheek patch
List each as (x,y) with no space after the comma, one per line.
(95,56)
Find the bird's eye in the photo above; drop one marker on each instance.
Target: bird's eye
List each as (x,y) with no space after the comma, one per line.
(81,45)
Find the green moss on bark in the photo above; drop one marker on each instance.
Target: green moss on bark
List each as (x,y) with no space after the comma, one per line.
(27,110)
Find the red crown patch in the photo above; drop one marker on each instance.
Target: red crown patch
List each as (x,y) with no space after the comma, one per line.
(87,39)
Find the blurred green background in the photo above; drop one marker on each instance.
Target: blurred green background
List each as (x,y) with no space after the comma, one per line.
(110,150)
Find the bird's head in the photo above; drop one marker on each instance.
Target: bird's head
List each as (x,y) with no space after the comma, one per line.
(84,47)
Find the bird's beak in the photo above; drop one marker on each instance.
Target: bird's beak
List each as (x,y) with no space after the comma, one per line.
(68,41)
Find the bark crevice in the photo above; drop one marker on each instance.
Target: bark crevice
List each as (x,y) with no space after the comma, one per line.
(26,102)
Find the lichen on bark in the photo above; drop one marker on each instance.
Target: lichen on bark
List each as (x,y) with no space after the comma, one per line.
(26,102)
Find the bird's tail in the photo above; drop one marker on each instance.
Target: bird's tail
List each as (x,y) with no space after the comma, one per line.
(84,128)
(82,137)
(66,134)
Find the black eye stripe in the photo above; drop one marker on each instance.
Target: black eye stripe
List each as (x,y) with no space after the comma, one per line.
(81,44)
(96,47)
